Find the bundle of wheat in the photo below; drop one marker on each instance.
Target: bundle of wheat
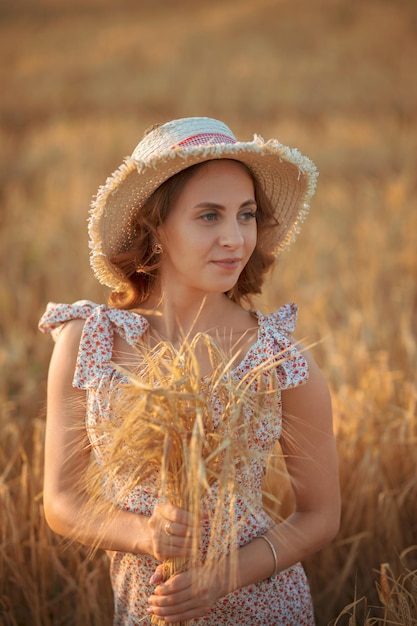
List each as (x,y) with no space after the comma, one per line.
(165,431)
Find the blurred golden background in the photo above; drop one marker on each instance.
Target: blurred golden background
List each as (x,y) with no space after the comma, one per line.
(80,82)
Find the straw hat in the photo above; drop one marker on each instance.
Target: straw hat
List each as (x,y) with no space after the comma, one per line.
(287,178)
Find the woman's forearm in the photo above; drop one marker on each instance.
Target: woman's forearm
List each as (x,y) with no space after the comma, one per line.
(82,520)
(301,535)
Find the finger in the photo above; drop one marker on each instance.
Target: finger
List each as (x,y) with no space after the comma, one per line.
(178,608)
(170,546)
(168,530)
(158,576)
(175,514)
(171,604)
(176,584)
(180,598)
(177,529)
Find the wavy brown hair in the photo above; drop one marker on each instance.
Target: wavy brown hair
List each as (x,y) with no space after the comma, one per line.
(139,264)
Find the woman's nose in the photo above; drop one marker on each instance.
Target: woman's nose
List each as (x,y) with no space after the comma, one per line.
(231,235)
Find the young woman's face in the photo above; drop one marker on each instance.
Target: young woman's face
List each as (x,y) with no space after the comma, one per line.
(210,232)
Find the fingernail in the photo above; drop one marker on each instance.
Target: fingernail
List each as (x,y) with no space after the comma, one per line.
(153,579)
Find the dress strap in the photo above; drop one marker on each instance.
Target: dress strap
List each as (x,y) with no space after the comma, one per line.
(57,314)
(285,318)
(96,344)
(277,329)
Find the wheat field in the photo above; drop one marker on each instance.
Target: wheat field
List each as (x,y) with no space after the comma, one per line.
(335,78)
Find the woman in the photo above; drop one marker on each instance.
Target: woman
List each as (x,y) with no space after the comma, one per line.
(183,233)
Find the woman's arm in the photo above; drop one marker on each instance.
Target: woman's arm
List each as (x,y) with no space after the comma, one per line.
(68,509)
(309,447)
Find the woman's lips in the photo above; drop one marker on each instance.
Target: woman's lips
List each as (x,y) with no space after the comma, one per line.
(227,264)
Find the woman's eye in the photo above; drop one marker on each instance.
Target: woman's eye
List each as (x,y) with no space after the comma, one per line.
(248,215)
(209,217)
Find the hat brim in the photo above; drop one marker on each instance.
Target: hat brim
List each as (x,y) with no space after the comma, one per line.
(287,178)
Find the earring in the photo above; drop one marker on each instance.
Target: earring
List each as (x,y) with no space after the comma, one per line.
(157,248)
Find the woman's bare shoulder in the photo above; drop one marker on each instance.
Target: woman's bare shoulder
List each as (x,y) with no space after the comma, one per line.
(66,350)
(70,333)
(314,392)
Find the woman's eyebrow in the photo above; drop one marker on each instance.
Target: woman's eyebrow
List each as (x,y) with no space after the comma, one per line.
(215,205)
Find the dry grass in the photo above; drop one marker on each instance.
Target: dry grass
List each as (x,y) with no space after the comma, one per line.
(335,78)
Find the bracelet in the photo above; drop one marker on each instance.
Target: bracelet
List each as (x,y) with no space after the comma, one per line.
(274,553)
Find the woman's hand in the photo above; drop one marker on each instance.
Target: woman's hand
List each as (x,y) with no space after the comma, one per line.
(172,532)
(184,596)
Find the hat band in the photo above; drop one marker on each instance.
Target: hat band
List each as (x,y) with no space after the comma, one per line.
(203,138)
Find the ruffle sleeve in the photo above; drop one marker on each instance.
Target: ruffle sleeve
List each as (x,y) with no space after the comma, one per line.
(96,344)
(277,330)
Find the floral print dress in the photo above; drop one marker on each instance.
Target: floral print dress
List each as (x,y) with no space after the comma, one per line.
(284,599)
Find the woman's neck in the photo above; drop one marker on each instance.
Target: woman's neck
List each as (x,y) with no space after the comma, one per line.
(175,318)
(232,328)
